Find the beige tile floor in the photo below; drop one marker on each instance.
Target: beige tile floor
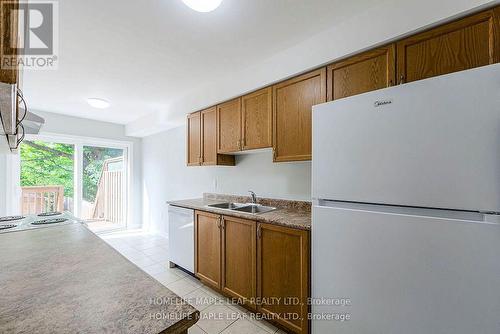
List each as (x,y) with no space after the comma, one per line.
(217,315)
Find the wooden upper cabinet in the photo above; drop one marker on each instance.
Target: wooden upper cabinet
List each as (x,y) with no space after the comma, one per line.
(229,126)
(467,43)
(10,32)
(239,256)
(202,140)
(209,136)
(292,115)
(283,274)
(371,70)
(194,139)
(208,248)
(256,119)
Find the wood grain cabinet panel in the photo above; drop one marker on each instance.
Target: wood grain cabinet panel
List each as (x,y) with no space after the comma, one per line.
(209,136)
(464,44)
(239,256)
(292,115)
(229,126)
(202,140)
(194,139)
(283,273)
(371,70)
(10,32)
(208,248)
(256,119)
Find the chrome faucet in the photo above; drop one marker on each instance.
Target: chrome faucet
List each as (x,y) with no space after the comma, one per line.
(254,197)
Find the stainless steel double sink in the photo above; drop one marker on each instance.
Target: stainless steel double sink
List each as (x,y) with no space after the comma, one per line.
(243,207)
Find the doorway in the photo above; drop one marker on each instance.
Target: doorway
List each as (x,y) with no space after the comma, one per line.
(89,178)
(103,187)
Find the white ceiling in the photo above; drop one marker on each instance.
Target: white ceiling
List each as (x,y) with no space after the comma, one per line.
(142,55)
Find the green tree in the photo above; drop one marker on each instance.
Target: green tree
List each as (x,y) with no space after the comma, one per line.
(52,164)
(47,164)
(93,161)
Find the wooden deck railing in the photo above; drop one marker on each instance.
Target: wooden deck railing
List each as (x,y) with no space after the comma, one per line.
(39,199)
(109,200)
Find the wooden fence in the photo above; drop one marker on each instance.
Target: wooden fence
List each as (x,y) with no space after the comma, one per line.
(40,199)
(109,203)
(109,200)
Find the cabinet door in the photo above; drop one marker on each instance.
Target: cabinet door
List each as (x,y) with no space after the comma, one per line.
(256,119)
(292,115)
(194,139)
(283,274)
(10,38)
(207,248)
(209,136)
(467,43)
(229,126)
(362,73)
(239,257)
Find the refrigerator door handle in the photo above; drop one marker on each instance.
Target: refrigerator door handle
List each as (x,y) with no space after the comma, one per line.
(409,211)
(492,218)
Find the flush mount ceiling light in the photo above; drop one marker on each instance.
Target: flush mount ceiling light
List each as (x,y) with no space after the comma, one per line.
(98,103)
(203,6)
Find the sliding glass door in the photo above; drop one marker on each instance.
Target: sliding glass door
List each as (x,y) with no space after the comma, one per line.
(83,177)
(103,187)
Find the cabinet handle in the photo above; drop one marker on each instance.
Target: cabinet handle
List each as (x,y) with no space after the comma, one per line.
(223,223)
(402,79)
(259,231)
(218,222)
(274,153)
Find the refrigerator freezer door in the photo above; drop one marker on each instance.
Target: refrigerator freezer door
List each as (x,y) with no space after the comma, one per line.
(181,237)
(430,143)
(404,273)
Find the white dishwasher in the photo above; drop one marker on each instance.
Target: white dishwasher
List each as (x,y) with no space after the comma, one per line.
(181,237)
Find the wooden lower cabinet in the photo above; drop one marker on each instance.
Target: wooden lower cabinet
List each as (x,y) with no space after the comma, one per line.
(264,267)
(283,275)
(239,256)
(207,231)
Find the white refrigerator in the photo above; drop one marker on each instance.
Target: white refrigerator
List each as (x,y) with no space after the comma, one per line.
(406,214)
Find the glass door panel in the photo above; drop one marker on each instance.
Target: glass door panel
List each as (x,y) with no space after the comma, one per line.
(47,177)
(104,187)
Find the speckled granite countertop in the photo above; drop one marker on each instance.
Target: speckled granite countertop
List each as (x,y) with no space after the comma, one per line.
(65,279)
(294,214)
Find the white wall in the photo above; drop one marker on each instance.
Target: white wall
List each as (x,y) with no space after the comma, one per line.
(3,185)
(7,176)
(381,22)
(73,126)
(166,177)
